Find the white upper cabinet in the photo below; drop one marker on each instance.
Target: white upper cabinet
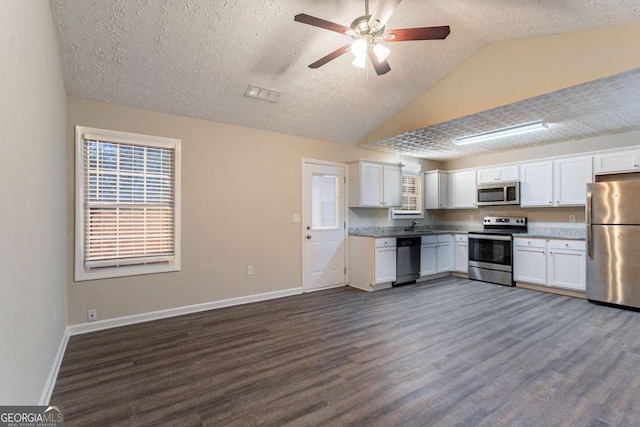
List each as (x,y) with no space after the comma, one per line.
(462,189)
(507,173)
(375,185)
(536,184)
(436,189)
(624,161)
(392,191)
(570,179)
(561,182)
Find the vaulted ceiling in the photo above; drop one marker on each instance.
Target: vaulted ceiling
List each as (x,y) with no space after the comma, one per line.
(197,57)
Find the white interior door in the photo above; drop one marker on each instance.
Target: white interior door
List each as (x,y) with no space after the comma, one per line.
(324,227)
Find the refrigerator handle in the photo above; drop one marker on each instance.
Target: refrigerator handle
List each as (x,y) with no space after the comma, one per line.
(589,230)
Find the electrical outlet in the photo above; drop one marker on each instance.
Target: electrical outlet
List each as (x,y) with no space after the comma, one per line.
(250,270)
(572,218)
(296,217)
(92,315)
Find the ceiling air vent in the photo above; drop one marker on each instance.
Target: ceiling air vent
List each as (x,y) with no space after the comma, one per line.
(262,93)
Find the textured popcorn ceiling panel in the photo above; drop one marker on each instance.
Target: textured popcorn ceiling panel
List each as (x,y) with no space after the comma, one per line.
(197,57)
(601,107)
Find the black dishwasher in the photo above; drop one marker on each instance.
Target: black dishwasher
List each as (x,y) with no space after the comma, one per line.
(407,260)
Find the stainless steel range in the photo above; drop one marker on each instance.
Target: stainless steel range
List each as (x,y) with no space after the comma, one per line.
(491,250)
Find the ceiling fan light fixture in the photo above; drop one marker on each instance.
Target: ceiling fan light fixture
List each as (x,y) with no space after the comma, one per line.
(502,133)
(360,61)
(381,52)
(359,47)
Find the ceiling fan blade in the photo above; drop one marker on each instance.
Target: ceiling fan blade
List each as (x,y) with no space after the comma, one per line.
(317,22)
(381,14)
(330,57)
(381,67)
(425,33)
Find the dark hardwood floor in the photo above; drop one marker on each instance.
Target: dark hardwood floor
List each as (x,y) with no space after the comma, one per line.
(450,352)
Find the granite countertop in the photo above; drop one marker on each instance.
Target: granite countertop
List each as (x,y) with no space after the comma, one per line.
(401,232)
(567,233)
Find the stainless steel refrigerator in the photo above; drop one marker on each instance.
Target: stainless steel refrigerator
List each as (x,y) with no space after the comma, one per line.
(613,242)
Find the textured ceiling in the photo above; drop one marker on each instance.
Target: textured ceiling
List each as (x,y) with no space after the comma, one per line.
(602,107)
(197,57)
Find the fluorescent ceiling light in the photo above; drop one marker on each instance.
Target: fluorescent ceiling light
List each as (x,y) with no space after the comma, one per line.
(501,133)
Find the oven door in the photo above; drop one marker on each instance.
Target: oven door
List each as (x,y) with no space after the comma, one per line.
(490,251)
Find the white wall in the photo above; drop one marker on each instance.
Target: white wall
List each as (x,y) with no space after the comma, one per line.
(33,244)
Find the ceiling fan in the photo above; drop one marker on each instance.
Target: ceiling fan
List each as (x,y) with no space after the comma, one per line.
(368,32)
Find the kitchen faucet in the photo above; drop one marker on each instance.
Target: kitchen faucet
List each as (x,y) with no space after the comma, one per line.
(412,227)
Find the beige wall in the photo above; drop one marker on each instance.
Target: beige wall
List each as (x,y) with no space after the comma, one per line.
(510,71)
(536,216)
(240,188)
(33,243)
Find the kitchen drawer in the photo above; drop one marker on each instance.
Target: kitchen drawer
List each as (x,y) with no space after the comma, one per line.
(577,245)
(428,239)
(386,243)
(443,238)
(530,243)
(461,238)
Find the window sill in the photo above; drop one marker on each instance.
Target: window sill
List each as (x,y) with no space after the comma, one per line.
(112,272)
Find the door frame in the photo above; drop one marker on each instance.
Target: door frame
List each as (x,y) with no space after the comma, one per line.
(345,196)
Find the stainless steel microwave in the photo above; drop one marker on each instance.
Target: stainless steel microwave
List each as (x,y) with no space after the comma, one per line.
(499,193)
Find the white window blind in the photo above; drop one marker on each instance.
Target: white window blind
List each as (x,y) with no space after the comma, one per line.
(128,202)
(411,197)
(411,194)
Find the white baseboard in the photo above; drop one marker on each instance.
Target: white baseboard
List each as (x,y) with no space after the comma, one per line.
(100,325)
(55,368)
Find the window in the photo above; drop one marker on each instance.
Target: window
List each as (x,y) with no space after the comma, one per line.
(411,196)
(127,204)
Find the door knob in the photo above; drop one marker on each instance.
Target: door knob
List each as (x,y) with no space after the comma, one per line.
(308,236)
(308,227)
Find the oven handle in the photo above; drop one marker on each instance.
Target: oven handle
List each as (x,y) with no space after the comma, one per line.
(480,237)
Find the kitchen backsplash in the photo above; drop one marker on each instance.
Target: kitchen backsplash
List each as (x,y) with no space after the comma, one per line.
(537,217)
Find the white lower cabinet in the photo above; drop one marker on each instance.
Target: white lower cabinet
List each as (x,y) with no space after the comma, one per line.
(372,262)
(566,264)
(385,265)
(530,261)
(436,254)
(444,253)
(554,263)
(428,256)
(461,253)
